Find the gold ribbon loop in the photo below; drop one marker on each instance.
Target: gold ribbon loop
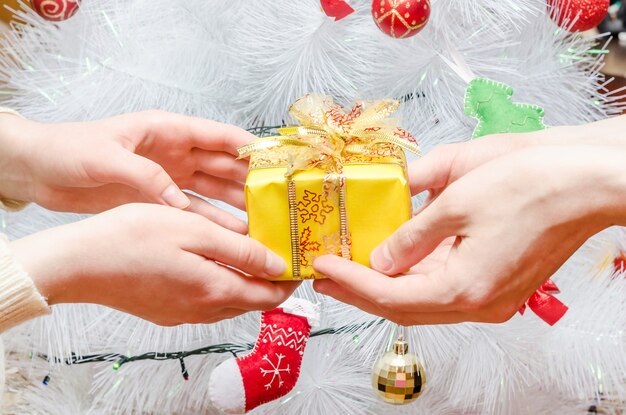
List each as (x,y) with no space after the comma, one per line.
(331,134)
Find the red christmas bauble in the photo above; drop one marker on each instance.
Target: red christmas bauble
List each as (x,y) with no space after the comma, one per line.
(401,18)
(55,10)
(589,12)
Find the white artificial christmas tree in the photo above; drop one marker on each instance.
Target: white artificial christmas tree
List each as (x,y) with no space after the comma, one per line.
(245,62)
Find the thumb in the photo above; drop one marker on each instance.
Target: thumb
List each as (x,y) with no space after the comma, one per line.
(415,239)
(147,177)
(434,170)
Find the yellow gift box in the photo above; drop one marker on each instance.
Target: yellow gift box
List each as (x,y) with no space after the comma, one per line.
(337,184)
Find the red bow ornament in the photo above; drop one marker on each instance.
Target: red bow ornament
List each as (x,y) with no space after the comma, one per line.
(337,9)
(545,304)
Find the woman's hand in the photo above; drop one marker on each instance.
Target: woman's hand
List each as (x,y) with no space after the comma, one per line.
(493,233)
(156,262)
(143,157)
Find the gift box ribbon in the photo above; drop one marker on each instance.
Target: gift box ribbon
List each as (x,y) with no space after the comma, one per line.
(327,138)
(329,135)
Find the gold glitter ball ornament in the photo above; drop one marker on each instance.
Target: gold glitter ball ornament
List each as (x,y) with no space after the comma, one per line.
(398,376)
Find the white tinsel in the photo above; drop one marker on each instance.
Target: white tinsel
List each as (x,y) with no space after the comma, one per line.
(245,62)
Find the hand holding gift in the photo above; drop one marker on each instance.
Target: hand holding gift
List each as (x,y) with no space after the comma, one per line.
(334,185)
(505,213)
(162,263)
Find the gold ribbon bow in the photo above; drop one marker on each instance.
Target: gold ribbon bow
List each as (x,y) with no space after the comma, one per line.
(328,135)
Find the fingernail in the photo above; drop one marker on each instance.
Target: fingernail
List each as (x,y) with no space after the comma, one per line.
(274,265)
(175,198)
(381,259)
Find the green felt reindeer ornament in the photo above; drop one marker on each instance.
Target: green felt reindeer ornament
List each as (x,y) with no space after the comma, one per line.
(490,103)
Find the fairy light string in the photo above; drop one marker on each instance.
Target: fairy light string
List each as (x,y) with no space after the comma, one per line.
(232,348)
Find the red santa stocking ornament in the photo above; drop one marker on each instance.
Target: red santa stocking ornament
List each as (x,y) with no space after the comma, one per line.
(272,368)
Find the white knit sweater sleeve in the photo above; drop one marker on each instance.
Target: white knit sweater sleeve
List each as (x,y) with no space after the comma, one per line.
(19,298)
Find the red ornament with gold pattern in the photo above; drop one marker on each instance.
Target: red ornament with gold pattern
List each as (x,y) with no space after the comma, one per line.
(586,13)
(55,10)
(401,18)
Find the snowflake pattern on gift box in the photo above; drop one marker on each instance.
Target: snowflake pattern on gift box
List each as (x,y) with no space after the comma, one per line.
(314,206)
